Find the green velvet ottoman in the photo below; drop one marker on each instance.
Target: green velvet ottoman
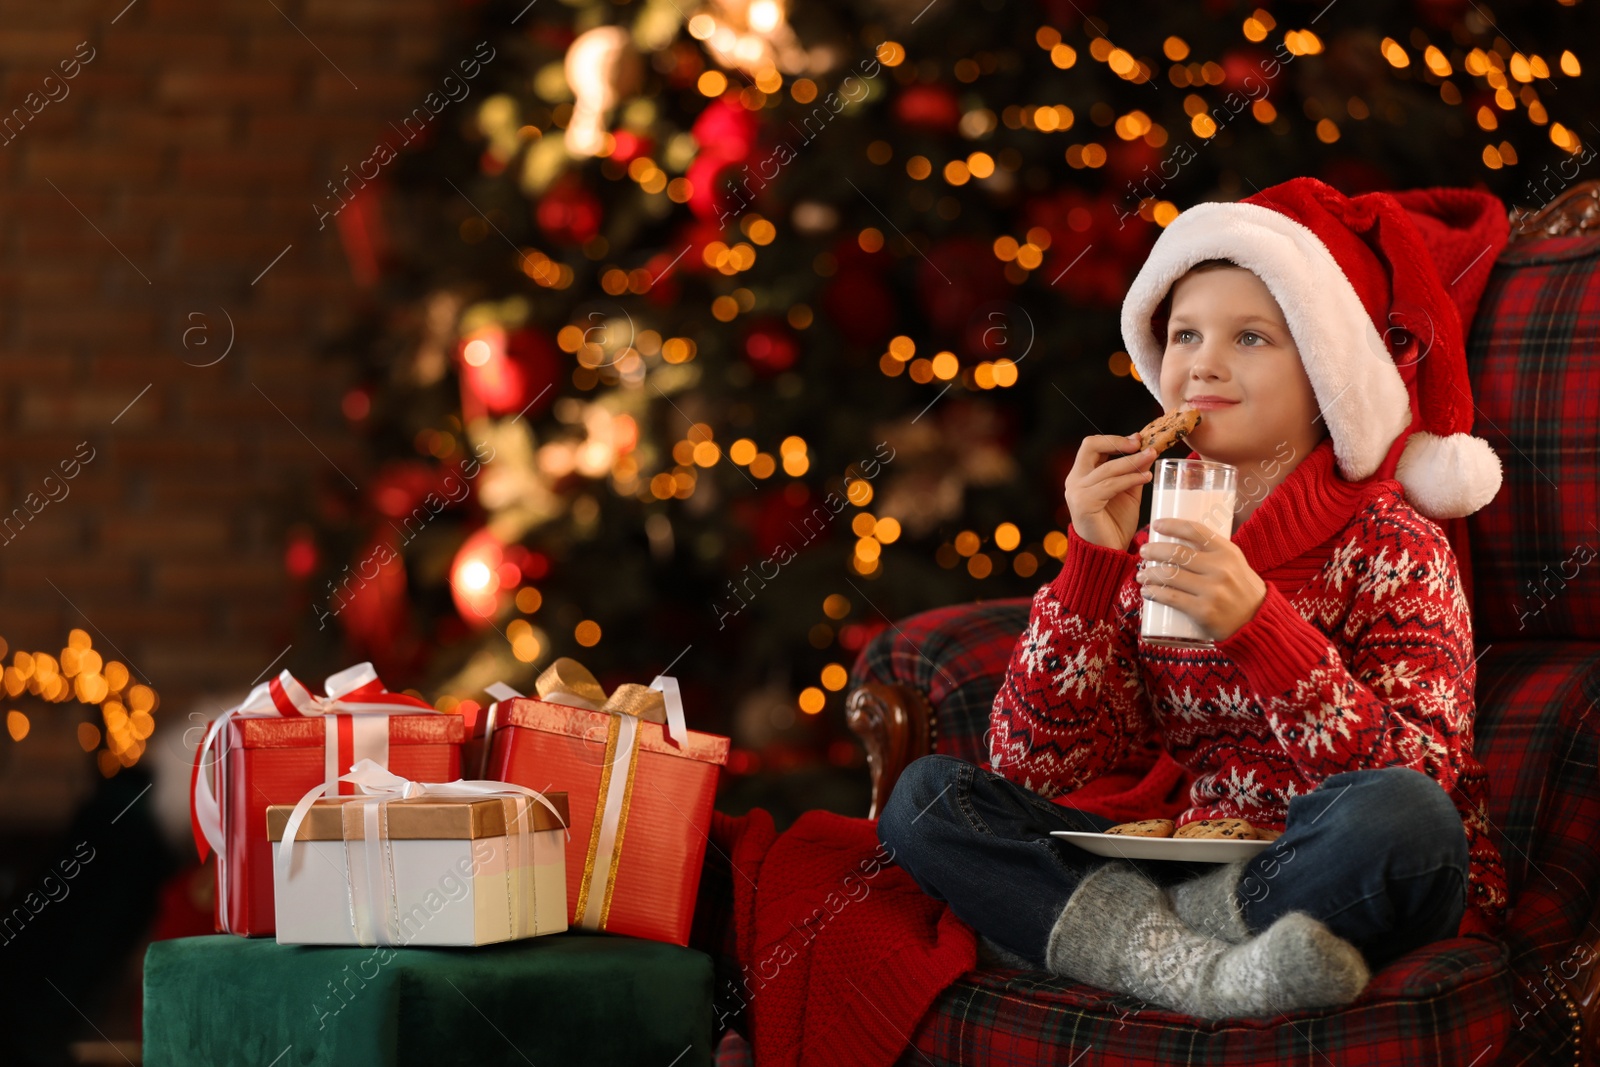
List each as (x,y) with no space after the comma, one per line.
(571,998)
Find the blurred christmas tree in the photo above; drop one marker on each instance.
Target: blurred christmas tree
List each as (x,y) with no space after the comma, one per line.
(713,339)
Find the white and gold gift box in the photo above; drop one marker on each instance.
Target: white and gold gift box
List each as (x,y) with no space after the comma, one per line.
(434,869)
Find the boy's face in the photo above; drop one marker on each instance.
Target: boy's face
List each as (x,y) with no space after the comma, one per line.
(1229,353)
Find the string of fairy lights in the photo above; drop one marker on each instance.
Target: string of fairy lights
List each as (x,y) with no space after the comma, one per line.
(79,673)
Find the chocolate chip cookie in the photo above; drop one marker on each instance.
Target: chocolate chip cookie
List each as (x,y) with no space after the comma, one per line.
(1144,828)
(1218,829)
(1162,433)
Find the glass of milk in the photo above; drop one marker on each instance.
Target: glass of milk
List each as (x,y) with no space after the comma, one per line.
(1201,491)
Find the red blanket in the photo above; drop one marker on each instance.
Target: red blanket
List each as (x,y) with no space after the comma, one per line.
(842,953)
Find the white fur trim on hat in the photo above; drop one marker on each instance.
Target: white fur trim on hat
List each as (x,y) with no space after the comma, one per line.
(1448,477)
(1361,394)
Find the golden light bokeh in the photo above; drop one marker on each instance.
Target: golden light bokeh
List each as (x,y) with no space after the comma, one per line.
(82,674)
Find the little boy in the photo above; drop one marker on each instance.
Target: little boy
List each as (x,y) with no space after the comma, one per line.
(1336,706)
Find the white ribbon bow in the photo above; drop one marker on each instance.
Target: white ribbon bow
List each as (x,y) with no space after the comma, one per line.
(268,700)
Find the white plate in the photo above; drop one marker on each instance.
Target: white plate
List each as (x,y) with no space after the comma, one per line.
(1127,847)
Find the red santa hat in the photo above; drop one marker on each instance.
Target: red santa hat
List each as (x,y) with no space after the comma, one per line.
(1378,331)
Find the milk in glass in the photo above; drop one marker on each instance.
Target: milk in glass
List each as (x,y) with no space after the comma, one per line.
(1203,492)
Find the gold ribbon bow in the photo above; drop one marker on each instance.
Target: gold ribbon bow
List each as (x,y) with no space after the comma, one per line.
(566,681)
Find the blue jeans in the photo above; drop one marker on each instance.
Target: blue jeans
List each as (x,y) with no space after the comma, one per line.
(1386,869)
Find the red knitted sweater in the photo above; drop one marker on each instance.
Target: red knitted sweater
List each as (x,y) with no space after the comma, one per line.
(1360,656)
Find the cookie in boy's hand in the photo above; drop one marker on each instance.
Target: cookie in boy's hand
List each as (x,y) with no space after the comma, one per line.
(1162,433)
(1223,829)
(1144,828)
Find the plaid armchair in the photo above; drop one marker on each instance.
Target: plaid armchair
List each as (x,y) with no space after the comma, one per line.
(926,685)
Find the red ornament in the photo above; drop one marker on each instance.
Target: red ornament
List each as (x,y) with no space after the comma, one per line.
(853,636)
(374,609)
(709,197)
(931,108)
(569,212)
(301,555)
(1242,71)
(727,133)
(475,578)
(357,404)
(726,130)
(535,565)
(770,346)
(401,487)
(503,372)
(629,146)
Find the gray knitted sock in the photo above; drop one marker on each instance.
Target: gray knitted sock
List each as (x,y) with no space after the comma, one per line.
(1209,904)
(1118,932)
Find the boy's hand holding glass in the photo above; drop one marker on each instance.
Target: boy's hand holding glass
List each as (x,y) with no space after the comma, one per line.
(1202,575)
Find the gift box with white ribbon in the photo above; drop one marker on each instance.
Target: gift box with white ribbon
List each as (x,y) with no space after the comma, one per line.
(282,741)
(411,863)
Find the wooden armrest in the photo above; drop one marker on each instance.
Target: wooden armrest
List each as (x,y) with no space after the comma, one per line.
(1584,990)
(1574,210)
(896,723)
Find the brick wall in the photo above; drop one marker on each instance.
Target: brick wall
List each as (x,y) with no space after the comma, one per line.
(138,203)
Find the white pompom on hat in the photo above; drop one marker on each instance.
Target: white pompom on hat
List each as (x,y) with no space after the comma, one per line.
(1379,334)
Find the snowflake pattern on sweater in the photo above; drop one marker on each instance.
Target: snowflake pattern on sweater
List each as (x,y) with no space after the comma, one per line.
(1369,663)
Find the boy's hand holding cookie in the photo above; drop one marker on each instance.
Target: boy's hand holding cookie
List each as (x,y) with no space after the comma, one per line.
(1104,486)
(1202,575)
(1103,494)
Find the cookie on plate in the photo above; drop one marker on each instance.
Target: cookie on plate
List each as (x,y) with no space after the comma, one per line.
(1144,828)
(1162,433)
(1218,829)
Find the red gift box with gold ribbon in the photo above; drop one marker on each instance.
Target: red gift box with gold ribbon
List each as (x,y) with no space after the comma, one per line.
(283,741)
(640,788)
